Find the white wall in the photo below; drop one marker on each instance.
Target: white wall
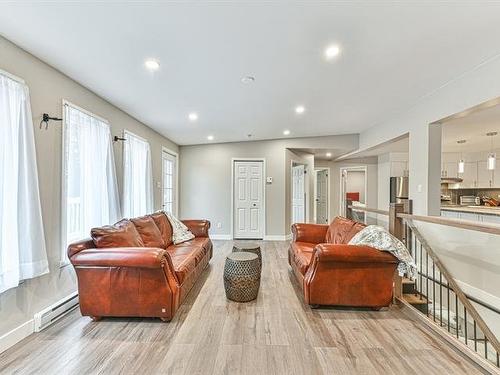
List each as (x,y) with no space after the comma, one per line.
(47,88)
(205,178)
(356,184)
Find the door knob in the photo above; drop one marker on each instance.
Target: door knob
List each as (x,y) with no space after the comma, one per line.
(255,204)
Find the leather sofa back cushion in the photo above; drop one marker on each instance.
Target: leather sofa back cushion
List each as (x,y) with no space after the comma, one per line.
(164,226)
(121,234)
(148,231)
(341,230)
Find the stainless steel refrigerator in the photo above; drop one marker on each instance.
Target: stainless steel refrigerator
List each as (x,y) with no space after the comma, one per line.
(399,191)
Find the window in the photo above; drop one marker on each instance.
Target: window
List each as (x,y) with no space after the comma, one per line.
(90,193)
(137,176)
(22,243)
(169,167)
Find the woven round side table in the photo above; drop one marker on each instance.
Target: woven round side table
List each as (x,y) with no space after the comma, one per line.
(242,276)
(249,248)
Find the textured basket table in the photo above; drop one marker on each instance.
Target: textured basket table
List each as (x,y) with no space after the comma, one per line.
(249,248)
(242,276)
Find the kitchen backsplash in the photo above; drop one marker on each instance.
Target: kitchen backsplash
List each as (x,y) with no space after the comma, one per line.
(456,193)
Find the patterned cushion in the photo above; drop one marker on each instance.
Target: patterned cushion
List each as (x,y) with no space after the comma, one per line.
(180,233)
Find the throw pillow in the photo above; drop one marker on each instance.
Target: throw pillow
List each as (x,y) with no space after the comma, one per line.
(180,233)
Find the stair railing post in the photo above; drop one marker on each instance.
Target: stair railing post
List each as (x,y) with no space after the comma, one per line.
(397,229)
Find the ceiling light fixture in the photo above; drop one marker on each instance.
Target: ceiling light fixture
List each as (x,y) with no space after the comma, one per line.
(193,116)
(286,132)
(210,137)
(328,154)
(248,79)
(492,157)
(332,51)
(152,64)
(300,109)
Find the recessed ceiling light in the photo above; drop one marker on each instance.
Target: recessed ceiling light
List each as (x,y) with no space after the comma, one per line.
(332,52)
(248,79)
(328,154)
(210,137)
(286,132)
(193,116)
(152,64)
(300,109)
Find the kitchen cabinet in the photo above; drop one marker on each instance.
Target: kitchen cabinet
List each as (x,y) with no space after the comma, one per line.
(450,214)
(399,169)
(484,176)
(450,169)
(470,216)
(469,176)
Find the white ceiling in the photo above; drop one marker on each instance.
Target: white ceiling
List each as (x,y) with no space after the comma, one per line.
(392,54)
(473,129)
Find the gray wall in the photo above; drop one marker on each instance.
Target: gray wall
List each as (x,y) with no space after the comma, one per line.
(47,88)
(205,178)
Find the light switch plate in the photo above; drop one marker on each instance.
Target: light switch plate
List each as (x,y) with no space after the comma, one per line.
(269,180)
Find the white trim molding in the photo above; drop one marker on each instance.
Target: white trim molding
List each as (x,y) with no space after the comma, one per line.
(264,177)
(278,237)
(220,236)
(19,333)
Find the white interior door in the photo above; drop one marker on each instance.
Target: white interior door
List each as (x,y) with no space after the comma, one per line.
(298,194)
(169,186)
(248,200)
(322,197)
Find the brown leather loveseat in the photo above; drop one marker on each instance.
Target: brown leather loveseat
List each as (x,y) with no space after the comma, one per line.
(334,273)
(132,268)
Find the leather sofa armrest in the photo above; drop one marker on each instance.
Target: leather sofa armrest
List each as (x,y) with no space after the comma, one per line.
(312,233)
(78,246)
(139,257)
(342,253)
(198,227)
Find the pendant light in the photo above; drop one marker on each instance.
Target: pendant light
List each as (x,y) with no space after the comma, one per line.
(492,157)
(461,163)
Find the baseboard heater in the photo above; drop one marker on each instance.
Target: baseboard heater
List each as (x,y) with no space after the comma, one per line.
(46,317)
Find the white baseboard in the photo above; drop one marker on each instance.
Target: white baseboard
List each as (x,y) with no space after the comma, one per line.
(12,337)
(221,236)
(273,237)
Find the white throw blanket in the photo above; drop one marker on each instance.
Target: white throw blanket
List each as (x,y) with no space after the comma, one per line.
(180,233)
(380,239)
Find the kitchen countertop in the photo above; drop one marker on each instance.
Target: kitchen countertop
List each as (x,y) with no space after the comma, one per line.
(473,209)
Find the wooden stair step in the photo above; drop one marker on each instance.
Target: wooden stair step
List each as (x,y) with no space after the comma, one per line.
(408,281)
(415,299)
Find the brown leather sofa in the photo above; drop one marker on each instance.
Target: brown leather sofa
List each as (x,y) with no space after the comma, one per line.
(132,268)
(334,273)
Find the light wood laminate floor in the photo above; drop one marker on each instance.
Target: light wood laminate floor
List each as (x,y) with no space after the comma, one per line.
(275,334)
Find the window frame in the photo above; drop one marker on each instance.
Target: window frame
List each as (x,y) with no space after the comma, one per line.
(175,185)
(64,260)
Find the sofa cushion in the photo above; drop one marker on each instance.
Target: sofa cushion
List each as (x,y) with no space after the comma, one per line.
(341,230)
(148,231)
(164,226)
(187,255)
(121,234)
(301,255)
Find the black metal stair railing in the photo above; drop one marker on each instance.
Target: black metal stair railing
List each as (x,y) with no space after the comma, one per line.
(443,303)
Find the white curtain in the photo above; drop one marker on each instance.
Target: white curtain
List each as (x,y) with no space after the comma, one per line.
(22,243)
(137,177)
(91,193)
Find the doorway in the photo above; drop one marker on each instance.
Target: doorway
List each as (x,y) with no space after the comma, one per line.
(322,196)
(248,199)
(169,185)
(353,188)
(298,193)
